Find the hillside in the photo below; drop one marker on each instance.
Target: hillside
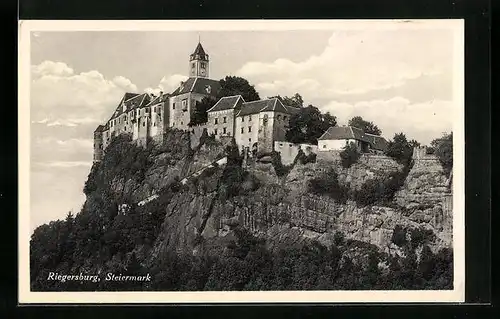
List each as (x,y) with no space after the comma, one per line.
(247,225)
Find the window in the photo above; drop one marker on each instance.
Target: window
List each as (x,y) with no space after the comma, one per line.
(173,106)
(182,123)
(154,109)
(224,130)
(290,145)
(224,119)
(242,130)
(243,119)
(249,118)
(284,118)
(279,117)
(154,123)
(249,140)
(215,131)
(249,129)
(125,128)
(184,104)
(324,145)
(216,121)
(281,144)
(144,123)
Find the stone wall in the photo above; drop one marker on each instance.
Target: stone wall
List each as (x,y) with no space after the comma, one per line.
(289,151)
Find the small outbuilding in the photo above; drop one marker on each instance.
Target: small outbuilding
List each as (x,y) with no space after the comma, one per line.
(337,137)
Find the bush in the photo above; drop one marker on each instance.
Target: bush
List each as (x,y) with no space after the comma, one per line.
(279,168)
(399,236)
(349,155)
(328,184)
(303,159)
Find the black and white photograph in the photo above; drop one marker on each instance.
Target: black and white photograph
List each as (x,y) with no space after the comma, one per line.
(232,161)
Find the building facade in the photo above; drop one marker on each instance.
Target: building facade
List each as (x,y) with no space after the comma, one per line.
(337,137)
(255,125)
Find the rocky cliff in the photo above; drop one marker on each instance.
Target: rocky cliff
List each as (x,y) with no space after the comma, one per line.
(282,210)
(136,207)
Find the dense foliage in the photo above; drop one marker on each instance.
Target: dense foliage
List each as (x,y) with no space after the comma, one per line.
(234,85)
(246,264)
(200,115)
(366,126)
(443,149)
(381,190)
(295,100)
(400,149)
(349,155)
(328,184)
(307,125)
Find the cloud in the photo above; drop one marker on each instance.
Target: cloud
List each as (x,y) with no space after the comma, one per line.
(420,121)
(70,143)
(61,97)
(167,84)
(356,62)
(48,68)
(64,164)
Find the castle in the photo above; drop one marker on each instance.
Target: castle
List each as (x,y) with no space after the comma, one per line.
(254,125)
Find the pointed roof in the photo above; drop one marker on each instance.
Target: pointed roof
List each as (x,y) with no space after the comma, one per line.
(227,103)
(199,50)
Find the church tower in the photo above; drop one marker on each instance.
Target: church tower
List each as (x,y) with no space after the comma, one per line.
(198,63)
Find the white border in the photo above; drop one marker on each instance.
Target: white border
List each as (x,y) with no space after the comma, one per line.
(26,296)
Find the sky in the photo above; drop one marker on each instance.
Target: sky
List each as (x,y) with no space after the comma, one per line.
(401,79)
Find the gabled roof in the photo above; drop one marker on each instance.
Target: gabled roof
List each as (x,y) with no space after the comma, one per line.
(350,132)
(342,133)
(198,85)
(199,50)
(377,142)
(99,128)
(292,109)
(159,99)
(227,102)
(131,101)
(269,105)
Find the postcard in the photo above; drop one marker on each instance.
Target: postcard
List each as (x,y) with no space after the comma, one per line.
(224,161)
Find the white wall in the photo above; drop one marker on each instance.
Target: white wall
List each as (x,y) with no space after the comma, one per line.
(242,139)
(334,145)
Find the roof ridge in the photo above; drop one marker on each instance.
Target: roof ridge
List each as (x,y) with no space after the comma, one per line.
(327,130)
(274,105)
(194,83)
(133,97)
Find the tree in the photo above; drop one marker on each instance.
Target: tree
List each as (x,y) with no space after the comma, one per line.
(399,148)
(414,143)
(295,101)
(234,85)
(200,115)
(307,125)
(443,149)
(366,126)
(349,155)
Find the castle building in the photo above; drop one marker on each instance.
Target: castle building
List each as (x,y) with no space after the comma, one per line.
(255,125)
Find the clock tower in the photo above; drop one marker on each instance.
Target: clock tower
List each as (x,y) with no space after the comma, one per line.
(198,63)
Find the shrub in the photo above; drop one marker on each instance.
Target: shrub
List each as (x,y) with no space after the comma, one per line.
(328,184)
(399,236)
(279,168)
(303,159)
(349,155)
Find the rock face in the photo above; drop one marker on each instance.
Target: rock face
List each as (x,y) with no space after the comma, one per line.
(281,210)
